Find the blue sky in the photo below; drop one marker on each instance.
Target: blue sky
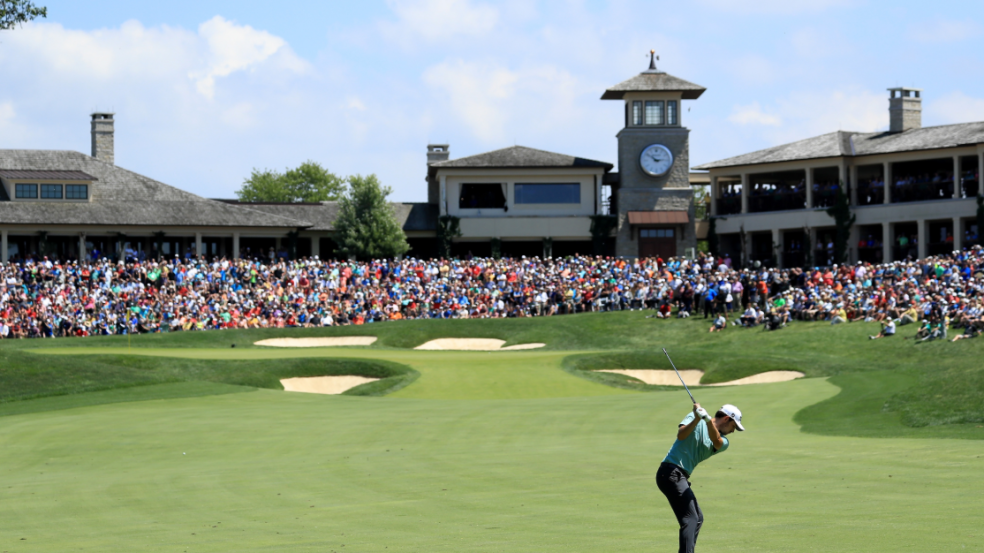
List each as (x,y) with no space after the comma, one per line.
(205,91)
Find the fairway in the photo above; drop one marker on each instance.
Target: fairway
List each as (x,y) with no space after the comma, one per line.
(505,451)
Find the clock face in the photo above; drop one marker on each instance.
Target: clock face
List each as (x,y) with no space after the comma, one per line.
(656,160)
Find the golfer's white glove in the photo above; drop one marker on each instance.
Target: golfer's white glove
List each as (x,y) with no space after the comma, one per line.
(702,413)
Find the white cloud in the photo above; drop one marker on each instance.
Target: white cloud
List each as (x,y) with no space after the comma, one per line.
(435,20)
(944,30)
(956,107)
(753,115)
(233,48)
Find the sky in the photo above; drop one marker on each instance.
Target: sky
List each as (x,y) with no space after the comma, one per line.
(206,91)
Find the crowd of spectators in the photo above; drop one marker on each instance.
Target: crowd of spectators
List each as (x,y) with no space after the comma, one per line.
(47,298)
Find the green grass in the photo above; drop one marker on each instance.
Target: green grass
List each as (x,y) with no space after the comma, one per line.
(182,443)
(270,471)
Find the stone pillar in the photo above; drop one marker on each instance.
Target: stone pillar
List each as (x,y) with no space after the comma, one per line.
(957,185)
(744,192)
(777,247)
(235,245)
(957,234)
(316,246)
(198,245)
(887,174)
(809,188)
(715,193)
(82,253)
(921,236)
(853,183)
(4,254)
(887,242)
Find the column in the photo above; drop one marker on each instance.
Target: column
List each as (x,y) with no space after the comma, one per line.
(921,236)
(777,247)
(886,242)
(842,174)
(715,193)
(887,173)
(744,192)
(809,188)
(316,246)
(82,252)
(957,187)
(957,234)
(812,254)
(4,254)
(853,253)
(980,176)
(235,245)
(198,245)
(853,183)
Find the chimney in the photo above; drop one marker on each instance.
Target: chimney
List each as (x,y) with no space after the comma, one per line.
(102,137)
(904,109)
(437,152)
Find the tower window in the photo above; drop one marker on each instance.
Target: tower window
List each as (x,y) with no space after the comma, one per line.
(637,113)
(671,112)
(51,191)
(654,112)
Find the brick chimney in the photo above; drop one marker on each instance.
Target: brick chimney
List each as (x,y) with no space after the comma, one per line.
(102,137)
(904,109)
(437,152)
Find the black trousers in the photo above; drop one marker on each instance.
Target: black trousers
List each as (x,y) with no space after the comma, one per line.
(672,481)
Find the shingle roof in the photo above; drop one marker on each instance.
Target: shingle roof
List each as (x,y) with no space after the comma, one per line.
(122,197)
(47,175)
(854,144)
(411,216)
(521,156)
(653,81)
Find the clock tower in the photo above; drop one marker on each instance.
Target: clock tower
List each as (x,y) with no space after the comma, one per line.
(652,193)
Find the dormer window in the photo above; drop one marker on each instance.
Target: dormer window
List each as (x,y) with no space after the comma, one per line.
(26,191)
(46,186)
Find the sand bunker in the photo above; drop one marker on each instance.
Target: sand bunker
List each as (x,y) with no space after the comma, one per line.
(472,344)
(692,377)
(332,385)
(317,342)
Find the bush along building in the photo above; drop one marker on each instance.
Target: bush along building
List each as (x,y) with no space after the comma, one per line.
(510,202)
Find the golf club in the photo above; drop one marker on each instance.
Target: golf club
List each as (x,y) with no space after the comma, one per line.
(680,377)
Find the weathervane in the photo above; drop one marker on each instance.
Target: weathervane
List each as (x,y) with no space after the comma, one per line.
(652,60)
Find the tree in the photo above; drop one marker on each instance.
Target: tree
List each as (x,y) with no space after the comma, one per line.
(15,12)
(366,226)
(309,182)
(843,221)
(449,228)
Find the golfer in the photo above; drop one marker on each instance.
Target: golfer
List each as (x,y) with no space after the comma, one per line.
(699,437)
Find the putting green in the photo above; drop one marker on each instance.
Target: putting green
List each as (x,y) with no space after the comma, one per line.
(443,374)
(272,471)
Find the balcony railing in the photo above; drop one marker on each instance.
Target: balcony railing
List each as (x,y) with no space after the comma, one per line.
(729,205)
(922,191)
(778,201)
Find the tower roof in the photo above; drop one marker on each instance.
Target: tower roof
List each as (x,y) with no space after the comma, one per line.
(653,80)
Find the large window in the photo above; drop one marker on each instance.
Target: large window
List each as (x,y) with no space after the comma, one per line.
(481,196)
(654,112)
(552,193)
(26,191)
(76,191)
(51,191)
(671,112)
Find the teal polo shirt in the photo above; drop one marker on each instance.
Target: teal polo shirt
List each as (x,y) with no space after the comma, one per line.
(698,447)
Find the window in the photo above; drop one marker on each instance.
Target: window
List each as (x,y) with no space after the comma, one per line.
(548,193)
(26,191)
(656,233)
(636,113)
(654,112)
(671,112)
(76,191)
(51,191)
(482,196)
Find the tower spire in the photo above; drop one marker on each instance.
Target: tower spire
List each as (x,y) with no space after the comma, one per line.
(652,60)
